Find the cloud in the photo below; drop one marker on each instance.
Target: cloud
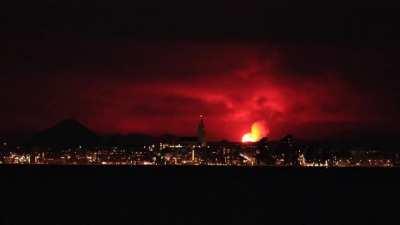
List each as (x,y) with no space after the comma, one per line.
(163,87)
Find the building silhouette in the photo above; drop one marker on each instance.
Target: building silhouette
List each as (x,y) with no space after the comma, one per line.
(201,132)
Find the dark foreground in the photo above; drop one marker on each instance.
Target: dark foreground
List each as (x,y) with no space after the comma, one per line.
(185,195)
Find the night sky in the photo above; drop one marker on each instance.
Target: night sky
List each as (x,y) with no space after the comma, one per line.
(315,71)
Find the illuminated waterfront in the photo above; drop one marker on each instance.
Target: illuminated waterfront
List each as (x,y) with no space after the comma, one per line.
(218,154)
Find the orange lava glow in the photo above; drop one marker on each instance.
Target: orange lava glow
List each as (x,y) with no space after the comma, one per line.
(258,131)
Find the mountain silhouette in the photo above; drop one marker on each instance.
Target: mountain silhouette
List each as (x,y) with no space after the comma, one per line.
(67,133)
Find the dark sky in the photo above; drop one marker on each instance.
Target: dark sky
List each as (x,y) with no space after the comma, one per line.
(314,70)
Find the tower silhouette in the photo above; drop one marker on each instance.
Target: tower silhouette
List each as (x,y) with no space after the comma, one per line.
(201,132)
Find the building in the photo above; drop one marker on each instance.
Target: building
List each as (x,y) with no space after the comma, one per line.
(201,132)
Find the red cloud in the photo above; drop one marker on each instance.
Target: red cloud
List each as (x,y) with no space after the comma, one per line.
(163,88)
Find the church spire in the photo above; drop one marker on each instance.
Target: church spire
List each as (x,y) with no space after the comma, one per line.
(201,132)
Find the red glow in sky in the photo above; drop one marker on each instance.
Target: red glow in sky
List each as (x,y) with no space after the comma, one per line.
(159,88)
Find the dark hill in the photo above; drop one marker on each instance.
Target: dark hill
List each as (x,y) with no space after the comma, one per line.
(67,133)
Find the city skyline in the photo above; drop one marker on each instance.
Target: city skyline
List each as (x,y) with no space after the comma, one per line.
(71,143)
(199,112)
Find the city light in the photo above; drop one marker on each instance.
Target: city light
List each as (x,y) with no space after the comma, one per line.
(196,151)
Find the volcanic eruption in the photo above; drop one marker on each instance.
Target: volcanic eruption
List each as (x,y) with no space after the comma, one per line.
(258,131)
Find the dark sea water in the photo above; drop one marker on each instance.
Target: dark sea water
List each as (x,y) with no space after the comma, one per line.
(197,195)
